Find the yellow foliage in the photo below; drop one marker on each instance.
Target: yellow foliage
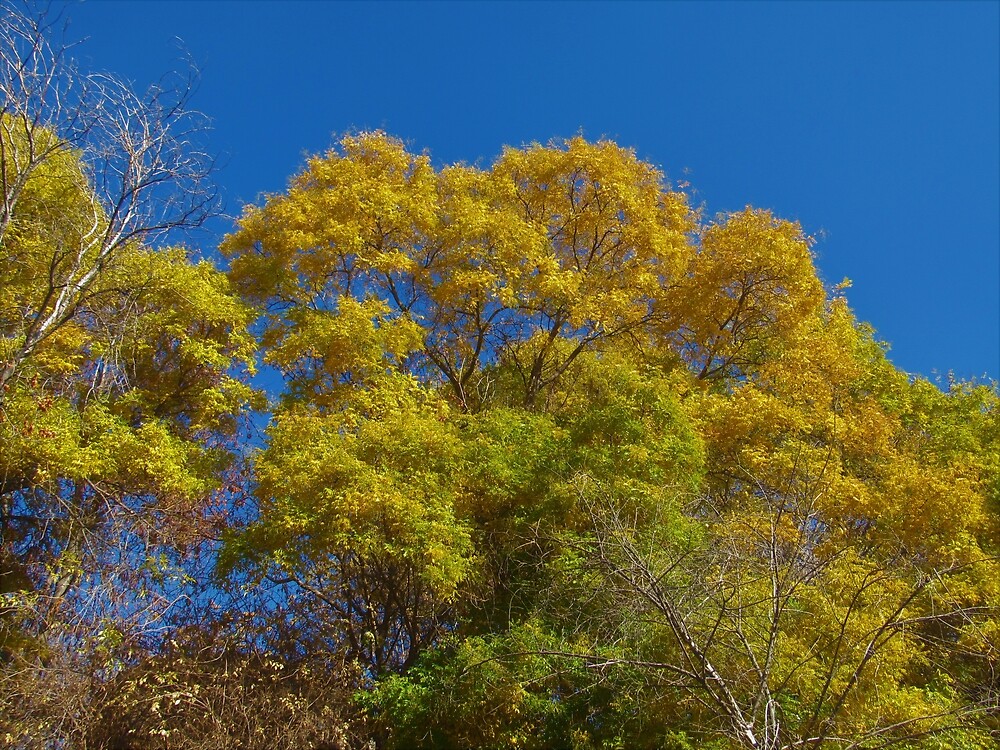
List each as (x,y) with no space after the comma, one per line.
(555,358)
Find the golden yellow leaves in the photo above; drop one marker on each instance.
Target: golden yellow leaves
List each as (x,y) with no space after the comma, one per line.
(333,352)
(378,272)
(609,235)
(748,289)
(467,347)
(572,241)
(341,217)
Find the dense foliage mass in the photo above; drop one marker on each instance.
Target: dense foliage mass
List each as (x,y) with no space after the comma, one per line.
(557,461)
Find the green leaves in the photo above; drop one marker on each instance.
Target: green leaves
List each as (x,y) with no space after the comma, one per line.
(381,487)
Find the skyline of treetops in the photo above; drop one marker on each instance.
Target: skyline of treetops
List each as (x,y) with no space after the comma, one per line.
(552,457)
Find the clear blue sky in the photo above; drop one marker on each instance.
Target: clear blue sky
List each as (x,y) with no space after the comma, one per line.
(876,125)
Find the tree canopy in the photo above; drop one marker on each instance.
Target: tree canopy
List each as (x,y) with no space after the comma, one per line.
(552,459)
(557,448)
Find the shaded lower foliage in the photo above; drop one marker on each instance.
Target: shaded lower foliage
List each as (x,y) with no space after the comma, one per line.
(202,695)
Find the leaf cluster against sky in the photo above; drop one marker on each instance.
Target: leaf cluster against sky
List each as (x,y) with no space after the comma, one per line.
(875,125)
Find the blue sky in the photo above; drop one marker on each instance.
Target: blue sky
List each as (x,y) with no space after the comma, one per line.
(876,125)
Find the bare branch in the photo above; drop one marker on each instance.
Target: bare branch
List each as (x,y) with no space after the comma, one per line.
(132,161)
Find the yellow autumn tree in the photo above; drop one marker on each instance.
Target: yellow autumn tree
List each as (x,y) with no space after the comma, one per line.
(553,441)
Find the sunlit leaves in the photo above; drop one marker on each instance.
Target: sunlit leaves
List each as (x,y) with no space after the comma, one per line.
(749,287)
(547,426)
(563,242)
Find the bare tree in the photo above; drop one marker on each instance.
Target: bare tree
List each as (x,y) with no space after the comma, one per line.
(759,617)
(141,163)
